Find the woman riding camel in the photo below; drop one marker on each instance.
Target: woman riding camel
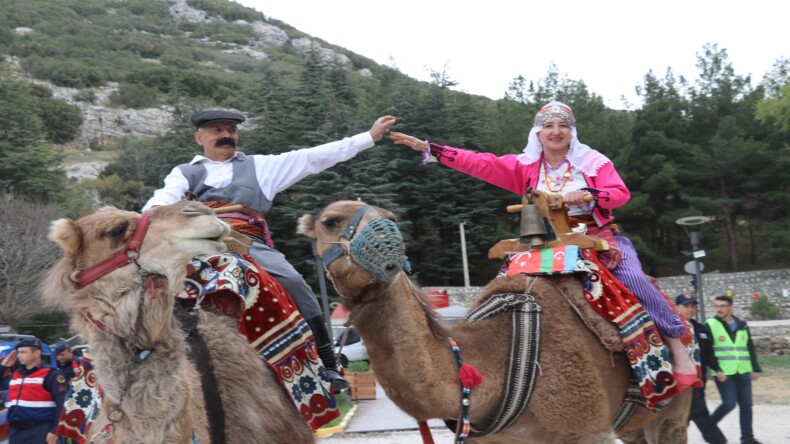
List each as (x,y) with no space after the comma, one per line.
(555,162)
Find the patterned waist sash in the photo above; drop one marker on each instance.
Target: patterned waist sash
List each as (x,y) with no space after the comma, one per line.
(246,221)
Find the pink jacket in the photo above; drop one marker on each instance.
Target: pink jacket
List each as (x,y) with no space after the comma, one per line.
(507,172)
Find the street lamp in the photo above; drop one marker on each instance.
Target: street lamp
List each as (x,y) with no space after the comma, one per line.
(697,254)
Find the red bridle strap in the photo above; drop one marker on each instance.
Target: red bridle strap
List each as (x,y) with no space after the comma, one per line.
(120,258)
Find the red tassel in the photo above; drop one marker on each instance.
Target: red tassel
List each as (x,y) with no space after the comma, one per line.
(469,376)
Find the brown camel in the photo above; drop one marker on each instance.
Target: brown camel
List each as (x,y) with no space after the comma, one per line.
(580,387)
(159,398)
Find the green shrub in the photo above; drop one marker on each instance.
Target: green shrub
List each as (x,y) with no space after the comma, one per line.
(358,366)
(85,95)
(764,308)
(134,95)
(225,32)
(61,121)
(228,10)
(74,74)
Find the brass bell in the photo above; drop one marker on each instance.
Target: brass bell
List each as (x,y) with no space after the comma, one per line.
(533,230)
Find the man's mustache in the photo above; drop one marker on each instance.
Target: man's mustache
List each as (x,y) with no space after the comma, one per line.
(226,141)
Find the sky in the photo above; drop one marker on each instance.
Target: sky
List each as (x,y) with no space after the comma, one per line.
(610,45)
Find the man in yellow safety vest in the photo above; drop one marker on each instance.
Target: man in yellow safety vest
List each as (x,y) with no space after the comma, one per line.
(737,358)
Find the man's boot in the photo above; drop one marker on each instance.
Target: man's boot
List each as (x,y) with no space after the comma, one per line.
(327,353)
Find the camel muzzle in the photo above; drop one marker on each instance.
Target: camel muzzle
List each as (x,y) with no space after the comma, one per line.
(378,247)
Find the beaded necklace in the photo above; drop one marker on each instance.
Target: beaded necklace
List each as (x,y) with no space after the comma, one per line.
(550,183)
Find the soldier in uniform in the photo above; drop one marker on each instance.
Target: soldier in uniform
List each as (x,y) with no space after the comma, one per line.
(36,392)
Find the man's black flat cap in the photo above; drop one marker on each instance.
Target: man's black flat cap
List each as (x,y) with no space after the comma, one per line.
(204,117)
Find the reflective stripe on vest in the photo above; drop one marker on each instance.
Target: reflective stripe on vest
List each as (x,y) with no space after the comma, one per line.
(28,399)
(733,356)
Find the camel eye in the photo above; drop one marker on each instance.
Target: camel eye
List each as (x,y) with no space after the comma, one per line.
(331,224)
(119,231)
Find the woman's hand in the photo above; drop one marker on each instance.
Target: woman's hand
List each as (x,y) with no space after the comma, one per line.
(381,126)
(576,197)
(410,141)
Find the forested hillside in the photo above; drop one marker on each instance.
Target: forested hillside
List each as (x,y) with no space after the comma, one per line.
(716,147)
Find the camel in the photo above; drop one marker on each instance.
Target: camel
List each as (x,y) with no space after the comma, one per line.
(153,391)
(580,387)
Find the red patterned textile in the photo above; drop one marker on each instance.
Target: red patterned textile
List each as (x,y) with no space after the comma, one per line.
(82,404)
(642,343)
(271,323)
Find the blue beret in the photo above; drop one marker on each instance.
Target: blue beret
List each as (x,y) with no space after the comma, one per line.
(204,117)
(34,343)
(685,298)
(60,347)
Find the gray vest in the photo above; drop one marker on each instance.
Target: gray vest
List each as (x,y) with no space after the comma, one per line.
(243,187)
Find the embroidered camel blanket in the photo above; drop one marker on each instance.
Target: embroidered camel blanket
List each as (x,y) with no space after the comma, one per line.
(82,404)
(647,354)
(236,286)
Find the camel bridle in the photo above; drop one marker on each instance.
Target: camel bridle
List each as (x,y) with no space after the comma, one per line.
(121,258)
(378,248)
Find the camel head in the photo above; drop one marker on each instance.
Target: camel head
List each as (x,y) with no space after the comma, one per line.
(176,233)
(360,244)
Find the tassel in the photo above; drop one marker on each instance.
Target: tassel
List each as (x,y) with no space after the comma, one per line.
(470,377)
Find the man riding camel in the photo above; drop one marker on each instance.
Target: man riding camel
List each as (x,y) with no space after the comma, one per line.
(226,175)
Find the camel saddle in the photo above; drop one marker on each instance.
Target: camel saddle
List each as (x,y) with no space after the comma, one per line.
(541,210)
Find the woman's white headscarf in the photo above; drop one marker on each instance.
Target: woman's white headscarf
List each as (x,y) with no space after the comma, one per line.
(580,156)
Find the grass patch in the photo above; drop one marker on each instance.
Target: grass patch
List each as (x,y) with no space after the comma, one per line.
(774,364)
(344,404)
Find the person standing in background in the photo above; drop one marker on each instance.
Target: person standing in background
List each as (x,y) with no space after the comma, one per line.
(734,349)
(688,306)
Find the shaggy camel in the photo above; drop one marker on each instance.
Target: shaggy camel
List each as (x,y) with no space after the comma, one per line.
(581,385)
(159,398)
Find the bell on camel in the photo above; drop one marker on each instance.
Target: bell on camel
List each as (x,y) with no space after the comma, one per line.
(533,230)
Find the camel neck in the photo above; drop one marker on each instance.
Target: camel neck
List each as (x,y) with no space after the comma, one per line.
(410,360)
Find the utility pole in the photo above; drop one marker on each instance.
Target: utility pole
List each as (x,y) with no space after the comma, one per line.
(463,255)
(319,269)
(697,253)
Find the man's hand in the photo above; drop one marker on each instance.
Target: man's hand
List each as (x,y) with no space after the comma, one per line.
(755,376)
(9,360)
(410,141)
(381,126)
(52,438)
(721,376)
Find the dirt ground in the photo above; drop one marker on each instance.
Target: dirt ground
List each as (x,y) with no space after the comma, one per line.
(771,395)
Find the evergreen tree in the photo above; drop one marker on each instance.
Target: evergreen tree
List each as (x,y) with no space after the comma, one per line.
(29,167)
(726,151)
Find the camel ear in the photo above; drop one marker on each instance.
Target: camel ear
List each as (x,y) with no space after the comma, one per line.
(67,234)
(387,214)
(306,224)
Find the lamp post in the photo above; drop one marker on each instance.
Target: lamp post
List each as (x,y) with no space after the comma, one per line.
(697,254)
(463,255)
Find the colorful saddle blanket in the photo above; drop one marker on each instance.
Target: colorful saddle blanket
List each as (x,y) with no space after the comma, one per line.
(646,352)
(268,318)
(82,404)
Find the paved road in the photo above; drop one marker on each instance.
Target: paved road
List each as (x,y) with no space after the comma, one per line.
(381,422)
